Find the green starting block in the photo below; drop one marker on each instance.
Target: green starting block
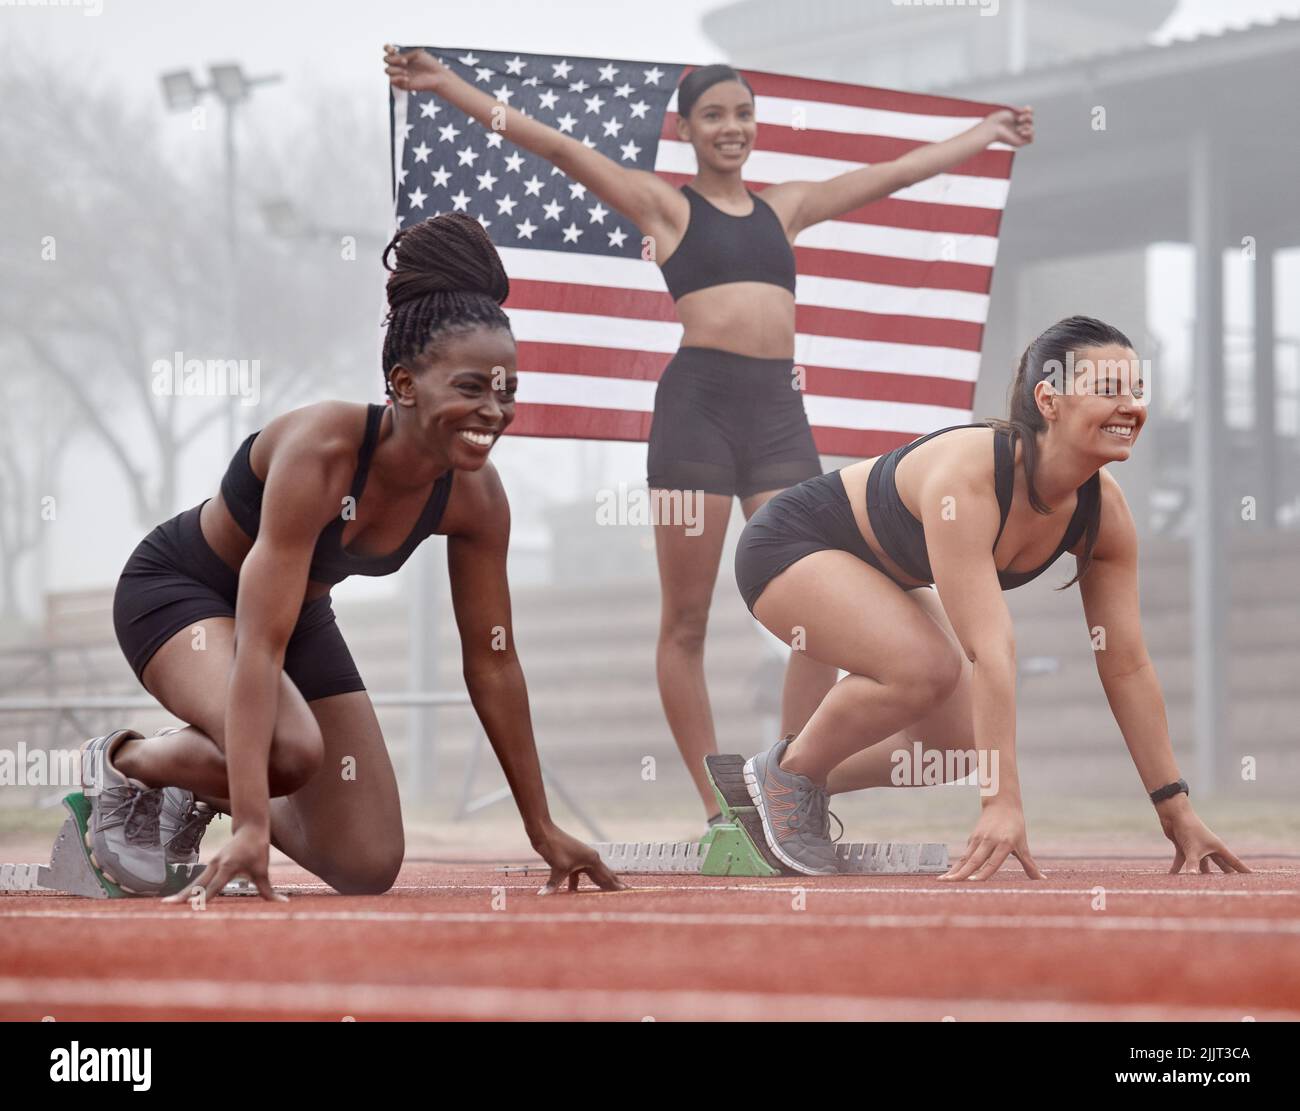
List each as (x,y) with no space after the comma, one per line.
(71,871)
(737,846)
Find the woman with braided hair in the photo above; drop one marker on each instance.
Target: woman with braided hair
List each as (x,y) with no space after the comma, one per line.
(273,701)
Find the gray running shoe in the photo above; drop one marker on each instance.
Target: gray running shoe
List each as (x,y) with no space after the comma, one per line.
(182,823)
(122,833)
(794,811)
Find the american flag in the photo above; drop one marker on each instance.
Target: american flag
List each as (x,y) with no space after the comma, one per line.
(891,298)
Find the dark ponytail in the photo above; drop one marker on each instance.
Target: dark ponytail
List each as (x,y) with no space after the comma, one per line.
(1042,359)
(446,275)
(695,83)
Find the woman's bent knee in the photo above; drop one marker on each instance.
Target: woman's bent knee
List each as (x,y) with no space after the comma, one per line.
(295,758)
(371,876)
(927,681)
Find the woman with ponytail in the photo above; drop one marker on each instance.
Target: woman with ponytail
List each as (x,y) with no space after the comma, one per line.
(224,611)
(840,567)
(729,420)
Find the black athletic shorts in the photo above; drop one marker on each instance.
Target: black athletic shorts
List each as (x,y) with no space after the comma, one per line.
(729,424)
(812,517)
(174,580)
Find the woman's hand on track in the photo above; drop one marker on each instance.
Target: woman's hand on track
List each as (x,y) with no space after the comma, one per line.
(416,71)
(569,859)
(1195,844)
(999,833)
(247,853)
(1013,126)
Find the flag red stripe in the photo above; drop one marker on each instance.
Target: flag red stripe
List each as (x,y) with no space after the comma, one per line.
(862,96)
(638,304)
(913,273)
(574,422)
(848,147)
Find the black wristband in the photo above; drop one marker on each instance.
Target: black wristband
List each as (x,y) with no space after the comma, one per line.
(1169,790)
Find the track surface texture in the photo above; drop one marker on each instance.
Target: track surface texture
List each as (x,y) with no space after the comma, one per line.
(468,940)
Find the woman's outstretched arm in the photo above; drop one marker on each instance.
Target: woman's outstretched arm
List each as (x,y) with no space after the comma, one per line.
(1110,605)
(811,202)
(642,197)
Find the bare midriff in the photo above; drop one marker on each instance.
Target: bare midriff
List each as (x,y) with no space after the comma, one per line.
(747,318)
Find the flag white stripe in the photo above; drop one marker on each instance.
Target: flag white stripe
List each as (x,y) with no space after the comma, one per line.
(849,119)
(875,297)
(664,337)
(879,239)
(769,167)
(628,395)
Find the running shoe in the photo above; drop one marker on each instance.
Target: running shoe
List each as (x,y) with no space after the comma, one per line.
(122,833)
(182,823)
(794,812)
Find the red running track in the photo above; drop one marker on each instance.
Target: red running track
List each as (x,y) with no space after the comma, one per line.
(473,942)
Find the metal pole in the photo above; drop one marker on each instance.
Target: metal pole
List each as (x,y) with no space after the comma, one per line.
(232,246)
(1265,343)
(422,631)
(1208,566)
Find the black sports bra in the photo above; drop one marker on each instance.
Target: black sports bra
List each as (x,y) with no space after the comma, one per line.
(719,248)
(902,536)
(331,562)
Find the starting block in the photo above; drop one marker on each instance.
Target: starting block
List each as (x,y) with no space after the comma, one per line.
(736,846)
(70,871)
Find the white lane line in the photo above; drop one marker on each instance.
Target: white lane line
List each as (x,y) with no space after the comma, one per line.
(788,883)
(1099,921)
(468,1001)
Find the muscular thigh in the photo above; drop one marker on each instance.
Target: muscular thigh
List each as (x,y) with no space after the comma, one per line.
(951,724)
(189,675)
(847,613)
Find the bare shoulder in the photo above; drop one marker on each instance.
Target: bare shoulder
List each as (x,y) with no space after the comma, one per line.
(1116,531)
(785,197)
(666,209)
(331,431)
(313,448)
(962,458)
(957,465)
(477,506)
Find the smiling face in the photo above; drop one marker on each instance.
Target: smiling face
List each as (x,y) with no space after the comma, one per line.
(463,397)
(721,127)
(1104,406)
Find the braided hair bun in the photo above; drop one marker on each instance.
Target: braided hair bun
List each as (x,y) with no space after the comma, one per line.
(444,274)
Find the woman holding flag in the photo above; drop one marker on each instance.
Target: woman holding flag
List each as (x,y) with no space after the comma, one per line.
(729,419)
